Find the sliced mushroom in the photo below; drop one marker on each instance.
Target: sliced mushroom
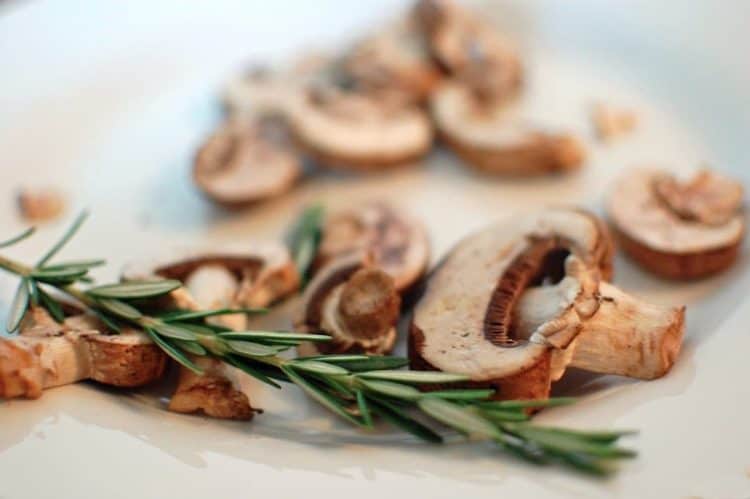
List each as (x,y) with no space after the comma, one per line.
(352,130)
(678,230)
(354,302)
(244,163)
(490,135)
(397,244)
(47,354)
(394,60)
(484,315)
(461,42)
(40,205)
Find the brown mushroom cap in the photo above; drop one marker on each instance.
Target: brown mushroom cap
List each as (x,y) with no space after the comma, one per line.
(245,163)
(658,234)
(489,135)
(354,302)
(357,131)
(397,244)
(464,322)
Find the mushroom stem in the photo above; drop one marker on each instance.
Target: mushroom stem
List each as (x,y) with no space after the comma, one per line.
(29,365)
(626,336)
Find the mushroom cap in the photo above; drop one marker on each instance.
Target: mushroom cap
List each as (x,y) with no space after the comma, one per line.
(492,136)
(357,131)
(245,163)
(662,239)
(464,321)
(396,243)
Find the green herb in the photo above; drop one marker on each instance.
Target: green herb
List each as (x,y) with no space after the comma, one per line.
(357,388)
(304,239)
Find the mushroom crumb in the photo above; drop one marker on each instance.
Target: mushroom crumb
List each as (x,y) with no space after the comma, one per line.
(41,205)
(611,122)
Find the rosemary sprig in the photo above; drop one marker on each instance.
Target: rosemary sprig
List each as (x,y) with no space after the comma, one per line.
(304,238)
(357,388)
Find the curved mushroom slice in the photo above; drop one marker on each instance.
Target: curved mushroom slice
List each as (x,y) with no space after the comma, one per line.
(395,60)
(678,230)
(354,302)
(217,393)
(246,163)
(464,322)
(397,244)
(47,355)
(462,42)
(356,131)
(489,136)
(626,336)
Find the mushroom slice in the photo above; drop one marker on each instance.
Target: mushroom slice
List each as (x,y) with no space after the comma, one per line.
(351,130)
(678,230)
(462,42)
(489,135)
(217,393)
(397,244)
(464,322)
(354,302)
(245,163)
(46,356)
(396,59)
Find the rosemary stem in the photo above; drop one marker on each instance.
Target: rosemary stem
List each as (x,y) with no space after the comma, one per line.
(14,267)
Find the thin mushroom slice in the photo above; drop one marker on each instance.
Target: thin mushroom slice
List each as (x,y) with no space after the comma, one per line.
(491,137)
(397,243)
(352,130)
(464,323)
(678,230)
(245,163)
(45,356)
(355,303)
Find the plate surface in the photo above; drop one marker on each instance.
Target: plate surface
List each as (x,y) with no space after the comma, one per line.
(109,101)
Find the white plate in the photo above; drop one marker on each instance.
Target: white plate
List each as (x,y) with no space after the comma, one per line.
(108,101)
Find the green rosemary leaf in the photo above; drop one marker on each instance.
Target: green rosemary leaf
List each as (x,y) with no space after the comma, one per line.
(58,276)
(78,265)
(191,316)
(417,377)
(399,419)
(108,321)
(319,395)
(335,358)
(191,347)
(286,343)
(135,289)
(568,442)
(372,363)
(51,305)
(584,463)
(316,367)
(460,418)
(174,331)
(199,329)
(64,239)
(458,394)
(254,371)
(390,389)
(120,308)
(17,239)
(19,306)
(34,292)
(364,410)
(508,416)
(251,349)
(340,389)
(273,335)
(173,352)
(527,404)
(305,238)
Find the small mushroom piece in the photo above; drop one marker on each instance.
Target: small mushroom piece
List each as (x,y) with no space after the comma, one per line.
(245,163)
(397,243)
(611,122)
(491,137)
(464,323)
(351,130)
(354,302)
(678,230)
(394,60)
(40,205)
(46,355)
(217,393)
(626,336)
